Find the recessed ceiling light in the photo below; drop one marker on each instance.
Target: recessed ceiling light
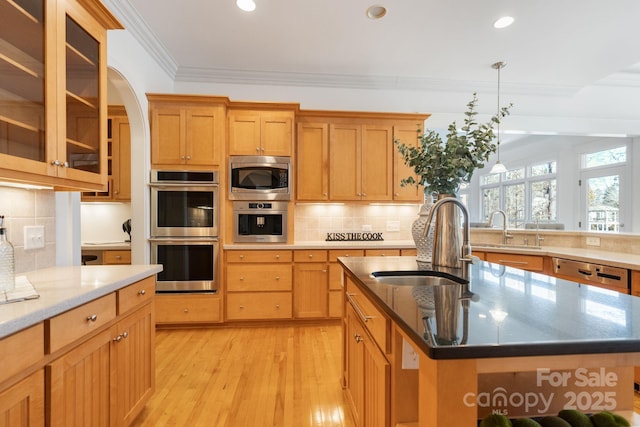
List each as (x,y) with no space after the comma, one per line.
(503,22)
(376,12)
(246,5)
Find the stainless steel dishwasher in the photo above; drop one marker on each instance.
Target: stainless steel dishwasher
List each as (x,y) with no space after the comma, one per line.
(596,274)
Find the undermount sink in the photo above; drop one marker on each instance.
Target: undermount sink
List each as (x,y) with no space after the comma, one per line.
(416,278)
(494,245)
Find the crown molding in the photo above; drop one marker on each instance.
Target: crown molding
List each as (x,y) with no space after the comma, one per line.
(134,23)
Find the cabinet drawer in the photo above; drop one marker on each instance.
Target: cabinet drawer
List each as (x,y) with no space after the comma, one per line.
(74,324)
(525,262)
(635,283)
(21,350)
(382,252)
(136,294)
(310,256)
(376,323)
(259,256)
(193,308)
(259,305)
(408,252)
(335,253)
(116,257)
(259,277)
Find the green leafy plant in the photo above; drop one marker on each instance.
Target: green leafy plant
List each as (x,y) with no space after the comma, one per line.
(441,166)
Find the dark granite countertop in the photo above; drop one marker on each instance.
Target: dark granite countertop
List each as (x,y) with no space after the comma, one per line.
(541,315)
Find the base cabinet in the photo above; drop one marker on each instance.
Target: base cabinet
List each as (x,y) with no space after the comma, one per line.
(106,380)
(22,405)
(367,375)
(190,308)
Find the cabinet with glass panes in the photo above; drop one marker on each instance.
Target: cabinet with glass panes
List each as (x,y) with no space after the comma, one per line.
(53,106)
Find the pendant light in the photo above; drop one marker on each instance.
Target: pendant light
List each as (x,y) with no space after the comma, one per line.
(498,167)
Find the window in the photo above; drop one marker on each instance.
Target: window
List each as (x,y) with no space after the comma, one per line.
(526,194)
(601,178)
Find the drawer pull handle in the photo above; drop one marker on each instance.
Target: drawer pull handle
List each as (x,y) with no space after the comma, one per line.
(358,338)
(310,255)
(118,257)
(242,307)
(277,277)
(186,310)
(118,338)
(142,292)
(277,256)
(241,278)
(241,256)
(277,306)
(92,318)
(358,310)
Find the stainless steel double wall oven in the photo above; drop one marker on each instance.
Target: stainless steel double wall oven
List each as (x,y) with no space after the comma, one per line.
(184,229)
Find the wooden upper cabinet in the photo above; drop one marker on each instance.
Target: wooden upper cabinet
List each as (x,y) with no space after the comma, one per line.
(53,113)
(118,159)
(312,158)
(361,162)
(345,167)
(263,133)
(349,156)
(187,130)
(407,135)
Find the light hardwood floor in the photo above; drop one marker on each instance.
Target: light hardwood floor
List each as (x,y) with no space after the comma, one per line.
(285,376)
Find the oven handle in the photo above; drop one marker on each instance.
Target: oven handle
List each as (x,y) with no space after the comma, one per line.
(187,186)
(184,239)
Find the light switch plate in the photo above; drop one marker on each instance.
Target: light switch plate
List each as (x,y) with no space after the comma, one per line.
(393,225)
(33,237)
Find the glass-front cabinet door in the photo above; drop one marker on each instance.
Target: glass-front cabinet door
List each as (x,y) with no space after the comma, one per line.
(53,92)
(84,149)
(23,120)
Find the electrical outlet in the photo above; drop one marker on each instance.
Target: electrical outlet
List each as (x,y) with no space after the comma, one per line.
(393,225)
(593,241)
(410,359)
(33,237)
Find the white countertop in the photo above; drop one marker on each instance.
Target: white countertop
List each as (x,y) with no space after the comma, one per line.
(102,246)
(597,256)
(321,244)
(64,288)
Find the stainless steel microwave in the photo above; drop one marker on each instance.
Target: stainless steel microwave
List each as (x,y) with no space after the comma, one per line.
(259,178)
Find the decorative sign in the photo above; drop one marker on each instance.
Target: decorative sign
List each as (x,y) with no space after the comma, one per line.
(354,237)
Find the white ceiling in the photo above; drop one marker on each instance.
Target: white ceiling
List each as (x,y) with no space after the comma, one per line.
(553,48)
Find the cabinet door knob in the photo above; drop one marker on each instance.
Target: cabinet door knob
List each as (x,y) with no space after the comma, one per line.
(258,149)
(55,162)
(278,306)
(241,256)
(241,278)
(185,310)
(125,334)
(241,307)
(324,271)
(142,292)
(396,194)
(277,256)
(118,338)
(188,157)
(92,318)
(277,277)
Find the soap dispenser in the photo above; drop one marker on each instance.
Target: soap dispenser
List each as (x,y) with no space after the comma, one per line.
(7,260)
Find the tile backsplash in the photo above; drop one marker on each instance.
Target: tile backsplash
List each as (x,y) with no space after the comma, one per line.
(314,221)
(21,208)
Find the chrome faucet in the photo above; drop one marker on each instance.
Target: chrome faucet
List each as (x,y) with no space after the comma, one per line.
(539,238)
(505,233)
(447,251)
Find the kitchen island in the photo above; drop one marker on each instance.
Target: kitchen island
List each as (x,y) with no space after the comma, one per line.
(506,329)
